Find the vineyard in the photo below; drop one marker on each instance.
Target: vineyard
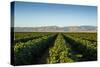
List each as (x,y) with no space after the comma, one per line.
(50,48)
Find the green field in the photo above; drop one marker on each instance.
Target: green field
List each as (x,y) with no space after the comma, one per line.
(50,47)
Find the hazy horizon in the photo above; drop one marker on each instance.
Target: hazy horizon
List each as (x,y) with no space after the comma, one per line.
(59,26)
(44,14)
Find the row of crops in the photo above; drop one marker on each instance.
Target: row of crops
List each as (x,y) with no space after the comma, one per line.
(50,48)
(25,36)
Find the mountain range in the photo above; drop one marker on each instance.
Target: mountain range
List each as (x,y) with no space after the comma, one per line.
(56,29)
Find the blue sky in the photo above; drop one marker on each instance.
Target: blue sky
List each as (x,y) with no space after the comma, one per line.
(42,14)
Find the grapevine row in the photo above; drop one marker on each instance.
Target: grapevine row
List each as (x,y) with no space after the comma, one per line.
(59,53)
(83,46)
(28,52)
(29,36)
